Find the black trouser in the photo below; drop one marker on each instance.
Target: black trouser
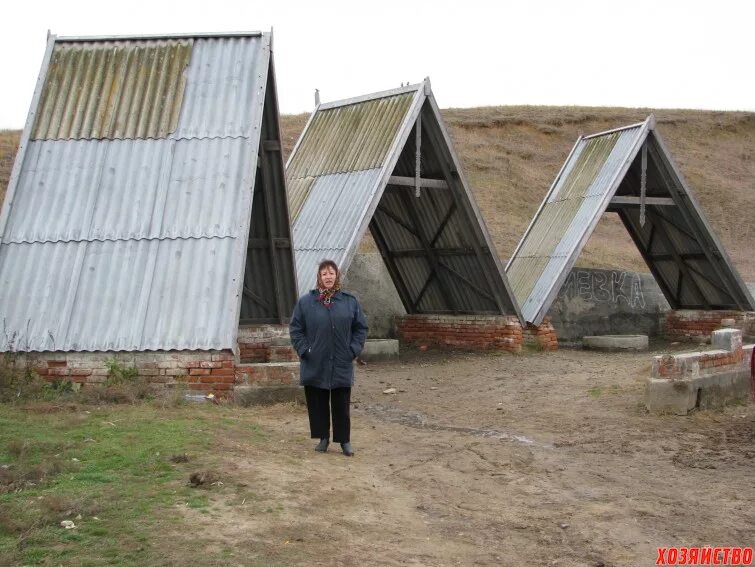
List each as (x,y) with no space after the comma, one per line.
(320,403)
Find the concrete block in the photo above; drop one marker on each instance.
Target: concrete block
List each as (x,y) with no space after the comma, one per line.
(707,391)
(616,342)
(380,349)
(729,340)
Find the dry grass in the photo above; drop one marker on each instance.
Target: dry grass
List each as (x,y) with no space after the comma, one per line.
(8,146)
(511,155)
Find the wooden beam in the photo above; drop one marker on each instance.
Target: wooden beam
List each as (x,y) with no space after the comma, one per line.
(635,234)
(443,223)
(431,256)
(423,290)
(254,297)
(680,264)
(395,218)
(412,182)
(635,201)
(468,282)
(390,264)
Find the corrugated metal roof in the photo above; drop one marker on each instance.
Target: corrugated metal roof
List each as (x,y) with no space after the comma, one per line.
(344,196)
(435,246)
(118,295)
(133,244)
(112,190)
(597,167)
(565,219)
(113,90)
(344,139)
(225,88)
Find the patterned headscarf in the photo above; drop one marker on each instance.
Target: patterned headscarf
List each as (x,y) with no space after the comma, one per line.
(327,294)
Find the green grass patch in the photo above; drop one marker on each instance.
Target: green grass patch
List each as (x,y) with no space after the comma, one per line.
(117,472)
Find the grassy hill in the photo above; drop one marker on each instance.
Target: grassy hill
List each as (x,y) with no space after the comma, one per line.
(511,155)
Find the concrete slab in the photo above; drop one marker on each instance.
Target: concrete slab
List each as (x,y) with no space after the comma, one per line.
(613,343)
(380,349)
(708,391)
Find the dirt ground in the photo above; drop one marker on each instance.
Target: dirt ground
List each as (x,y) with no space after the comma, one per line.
(535,459)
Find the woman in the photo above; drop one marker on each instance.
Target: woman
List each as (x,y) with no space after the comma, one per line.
(328,330)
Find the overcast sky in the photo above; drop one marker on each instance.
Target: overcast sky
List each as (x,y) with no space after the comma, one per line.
(638,53)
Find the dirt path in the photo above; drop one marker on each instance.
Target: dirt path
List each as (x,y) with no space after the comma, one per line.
(494,460)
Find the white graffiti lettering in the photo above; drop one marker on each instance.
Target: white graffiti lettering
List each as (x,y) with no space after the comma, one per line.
(605,287)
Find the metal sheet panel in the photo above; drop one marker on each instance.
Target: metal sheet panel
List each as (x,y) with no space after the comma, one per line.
(124,189)
(113,90)
(225,88)
(563,224)
(135,244)
(343,139)
(328,219)
(117,295)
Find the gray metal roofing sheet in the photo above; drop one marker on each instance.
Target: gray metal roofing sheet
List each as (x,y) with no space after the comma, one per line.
(139,244)
(225,88)
(118,295)
(560,228)
(115,190)
(355,137)
(343,198)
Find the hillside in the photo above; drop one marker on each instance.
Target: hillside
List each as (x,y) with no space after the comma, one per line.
(512,154)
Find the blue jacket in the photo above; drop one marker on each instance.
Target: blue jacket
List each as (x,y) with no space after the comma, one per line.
(328,340)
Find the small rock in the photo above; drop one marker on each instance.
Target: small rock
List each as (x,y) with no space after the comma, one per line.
(563,526)
(433,387)
(390,391)
(68,524)
(499,408)
(78,517)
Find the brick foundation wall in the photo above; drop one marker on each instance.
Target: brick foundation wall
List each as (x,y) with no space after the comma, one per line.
(730,353)
(265,343)
(687,324)
(542,336)
(474,332)
(208,371)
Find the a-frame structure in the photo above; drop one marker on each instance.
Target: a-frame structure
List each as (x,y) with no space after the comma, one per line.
(385,161)
(628,171)
(147,207)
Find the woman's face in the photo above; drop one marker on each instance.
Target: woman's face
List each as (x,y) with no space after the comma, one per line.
(328,277)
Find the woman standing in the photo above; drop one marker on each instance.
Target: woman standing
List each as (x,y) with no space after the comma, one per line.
(328,330)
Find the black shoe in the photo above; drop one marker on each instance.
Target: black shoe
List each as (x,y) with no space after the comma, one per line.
(322,446)
(347,449)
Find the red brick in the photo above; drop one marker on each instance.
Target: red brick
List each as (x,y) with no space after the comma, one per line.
(222,371)
(211,364)
(199,372)
(56,363)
